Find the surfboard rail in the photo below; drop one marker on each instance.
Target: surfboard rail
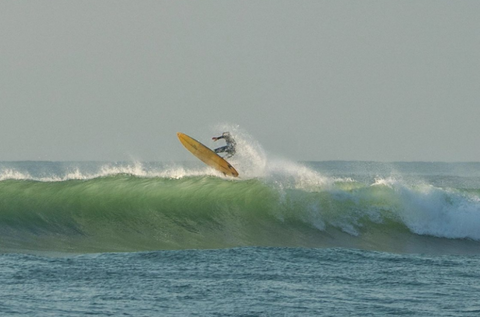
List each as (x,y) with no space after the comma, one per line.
(206,155)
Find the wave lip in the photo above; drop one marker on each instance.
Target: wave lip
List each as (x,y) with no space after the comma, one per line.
(446,213)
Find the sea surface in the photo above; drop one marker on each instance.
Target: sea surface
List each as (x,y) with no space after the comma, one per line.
(286,238)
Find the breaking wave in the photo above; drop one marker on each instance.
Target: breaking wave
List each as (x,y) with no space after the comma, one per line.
(129,211)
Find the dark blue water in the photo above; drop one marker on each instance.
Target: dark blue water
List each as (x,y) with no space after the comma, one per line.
(240,282)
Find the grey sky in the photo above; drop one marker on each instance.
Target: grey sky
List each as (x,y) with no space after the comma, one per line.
(310,80)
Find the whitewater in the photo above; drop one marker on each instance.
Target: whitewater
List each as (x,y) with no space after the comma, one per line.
(284,239)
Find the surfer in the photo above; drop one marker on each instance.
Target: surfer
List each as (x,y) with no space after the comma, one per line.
(229,148)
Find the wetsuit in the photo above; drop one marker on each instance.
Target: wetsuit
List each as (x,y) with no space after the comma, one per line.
(229,148)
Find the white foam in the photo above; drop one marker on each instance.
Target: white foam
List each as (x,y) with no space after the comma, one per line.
(427,210)
(13,174)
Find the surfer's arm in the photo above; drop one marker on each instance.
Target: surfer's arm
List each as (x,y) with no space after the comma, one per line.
(215,138)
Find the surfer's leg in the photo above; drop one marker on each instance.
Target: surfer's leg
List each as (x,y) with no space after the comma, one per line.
(221,149)
(229,154)
(230,150)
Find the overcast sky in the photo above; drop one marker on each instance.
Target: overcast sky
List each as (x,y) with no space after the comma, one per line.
(309,80)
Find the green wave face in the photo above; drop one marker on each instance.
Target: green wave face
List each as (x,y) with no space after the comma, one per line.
(131,213)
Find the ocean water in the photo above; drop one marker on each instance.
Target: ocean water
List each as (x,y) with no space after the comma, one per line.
(284,239)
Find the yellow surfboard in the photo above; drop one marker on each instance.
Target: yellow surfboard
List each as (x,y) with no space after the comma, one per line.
(206,155)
